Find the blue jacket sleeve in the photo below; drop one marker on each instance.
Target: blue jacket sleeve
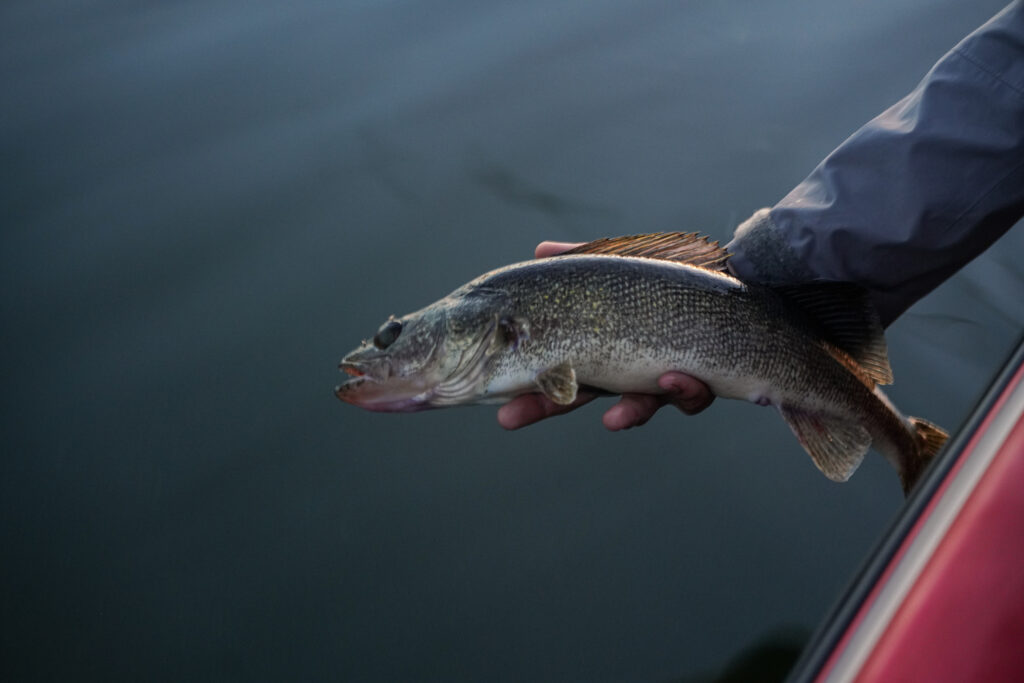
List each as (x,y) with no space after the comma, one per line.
(917,192)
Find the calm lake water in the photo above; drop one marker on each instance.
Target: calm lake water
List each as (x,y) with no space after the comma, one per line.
(205,204)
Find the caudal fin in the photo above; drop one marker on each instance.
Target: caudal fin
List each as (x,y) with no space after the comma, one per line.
(930,439)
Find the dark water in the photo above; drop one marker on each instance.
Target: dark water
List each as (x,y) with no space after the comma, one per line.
(206,203)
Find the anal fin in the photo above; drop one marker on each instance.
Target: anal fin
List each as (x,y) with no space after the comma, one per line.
(559,383)
(836,445)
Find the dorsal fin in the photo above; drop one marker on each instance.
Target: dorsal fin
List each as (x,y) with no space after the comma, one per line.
(847,361)
(682,247)
(846,319)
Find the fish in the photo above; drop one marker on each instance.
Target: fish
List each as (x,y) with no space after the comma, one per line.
(614,314)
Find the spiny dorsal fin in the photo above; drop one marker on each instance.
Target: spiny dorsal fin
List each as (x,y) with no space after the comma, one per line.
(846,319)
(683,247)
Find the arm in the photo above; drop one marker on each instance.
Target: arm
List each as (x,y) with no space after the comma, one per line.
(917,192)
(899,207)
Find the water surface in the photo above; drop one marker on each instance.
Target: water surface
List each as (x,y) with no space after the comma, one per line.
(206,203)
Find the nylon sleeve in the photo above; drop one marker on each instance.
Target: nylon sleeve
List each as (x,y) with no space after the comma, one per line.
(917,192)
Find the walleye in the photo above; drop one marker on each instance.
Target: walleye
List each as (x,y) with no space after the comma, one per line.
(615,314)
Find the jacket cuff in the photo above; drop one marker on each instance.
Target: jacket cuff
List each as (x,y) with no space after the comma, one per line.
(761,253)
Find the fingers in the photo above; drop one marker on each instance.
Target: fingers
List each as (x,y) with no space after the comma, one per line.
(529,408)
(545,249)
(687,393)
(632,410)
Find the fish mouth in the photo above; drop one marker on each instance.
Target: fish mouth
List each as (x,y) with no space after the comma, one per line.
(359,386)
(353,369)
(372,388)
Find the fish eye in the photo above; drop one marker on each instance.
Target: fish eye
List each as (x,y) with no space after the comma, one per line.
(387,334)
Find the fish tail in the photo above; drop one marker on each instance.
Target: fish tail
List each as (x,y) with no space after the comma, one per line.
(929,439)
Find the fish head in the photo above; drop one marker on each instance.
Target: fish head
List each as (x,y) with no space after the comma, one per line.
(438,356)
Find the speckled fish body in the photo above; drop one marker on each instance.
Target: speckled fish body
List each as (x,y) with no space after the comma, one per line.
(616,323)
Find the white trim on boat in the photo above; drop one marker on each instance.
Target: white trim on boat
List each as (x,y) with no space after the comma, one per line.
(867,634)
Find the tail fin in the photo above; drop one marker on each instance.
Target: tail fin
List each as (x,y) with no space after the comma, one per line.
(930,439)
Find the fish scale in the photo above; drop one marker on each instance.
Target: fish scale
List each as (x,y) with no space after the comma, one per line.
(617,322)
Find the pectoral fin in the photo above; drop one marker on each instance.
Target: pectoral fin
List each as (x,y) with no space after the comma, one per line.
(558,383)
(836,445)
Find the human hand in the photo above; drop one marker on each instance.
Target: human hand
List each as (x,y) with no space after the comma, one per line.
(686,393)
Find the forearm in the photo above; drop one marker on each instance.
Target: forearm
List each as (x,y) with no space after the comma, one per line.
(917,192)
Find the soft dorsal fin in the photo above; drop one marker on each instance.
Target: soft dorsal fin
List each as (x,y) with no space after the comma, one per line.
(847,361)
(682,247)
(845,318)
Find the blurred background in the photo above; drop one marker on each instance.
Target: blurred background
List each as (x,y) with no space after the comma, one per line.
(205,204)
